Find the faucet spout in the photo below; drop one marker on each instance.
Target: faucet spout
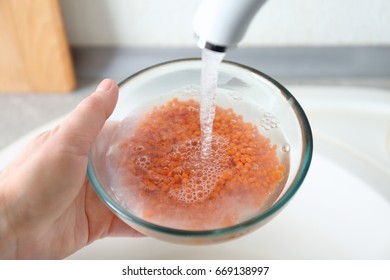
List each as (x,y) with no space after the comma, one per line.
(221,24)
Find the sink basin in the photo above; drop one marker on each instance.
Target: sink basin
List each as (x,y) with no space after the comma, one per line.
(342,209)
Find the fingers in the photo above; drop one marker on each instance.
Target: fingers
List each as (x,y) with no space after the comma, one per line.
(85,122)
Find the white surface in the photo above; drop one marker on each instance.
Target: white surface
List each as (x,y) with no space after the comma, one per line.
(168,23)
(342,210)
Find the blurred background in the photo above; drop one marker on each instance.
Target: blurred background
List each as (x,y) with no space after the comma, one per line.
(50,47)
(168,23)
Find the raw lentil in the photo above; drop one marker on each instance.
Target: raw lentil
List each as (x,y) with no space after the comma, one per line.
(161,165)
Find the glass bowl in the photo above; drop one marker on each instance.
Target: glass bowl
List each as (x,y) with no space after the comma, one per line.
(261,100)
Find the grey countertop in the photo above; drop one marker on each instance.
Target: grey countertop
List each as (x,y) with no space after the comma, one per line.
(21,113)
(361,67)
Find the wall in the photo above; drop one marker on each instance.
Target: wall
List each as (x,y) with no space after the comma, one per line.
(167,23)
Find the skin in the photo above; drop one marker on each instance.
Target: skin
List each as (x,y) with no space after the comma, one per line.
(48,208)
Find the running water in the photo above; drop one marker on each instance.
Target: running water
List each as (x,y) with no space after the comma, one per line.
(208,91)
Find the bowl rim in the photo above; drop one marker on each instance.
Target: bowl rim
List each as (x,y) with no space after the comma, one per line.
(307,152)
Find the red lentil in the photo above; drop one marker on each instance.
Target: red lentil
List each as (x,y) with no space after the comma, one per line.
(161,158)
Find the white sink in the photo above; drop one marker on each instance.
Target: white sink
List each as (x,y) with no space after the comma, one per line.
(342,210)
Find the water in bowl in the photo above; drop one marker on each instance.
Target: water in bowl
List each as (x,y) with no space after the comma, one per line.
(190,164)
(159,173)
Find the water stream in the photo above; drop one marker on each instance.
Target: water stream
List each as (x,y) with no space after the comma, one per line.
(208,91)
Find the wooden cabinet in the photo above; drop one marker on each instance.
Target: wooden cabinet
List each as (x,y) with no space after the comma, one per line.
(34,53)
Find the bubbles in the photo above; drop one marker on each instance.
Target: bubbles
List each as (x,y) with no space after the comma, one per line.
(286,148)
(192,109)
(235,96)
(191,90)
(139,148)
(204,173)
(194,178)
(142,161)
(268,121)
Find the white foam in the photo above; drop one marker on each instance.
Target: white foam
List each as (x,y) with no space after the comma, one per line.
(205,172)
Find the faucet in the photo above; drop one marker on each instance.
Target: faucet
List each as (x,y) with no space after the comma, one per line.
(221,24)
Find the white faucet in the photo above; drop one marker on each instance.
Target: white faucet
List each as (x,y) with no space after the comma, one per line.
(221,24)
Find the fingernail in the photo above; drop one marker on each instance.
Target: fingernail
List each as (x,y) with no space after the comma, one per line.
(105,85)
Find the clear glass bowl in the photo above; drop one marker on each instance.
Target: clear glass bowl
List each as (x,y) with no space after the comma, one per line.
(273,109)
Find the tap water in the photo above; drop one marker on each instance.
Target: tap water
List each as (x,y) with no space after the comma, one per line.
(208,91)
(191,164)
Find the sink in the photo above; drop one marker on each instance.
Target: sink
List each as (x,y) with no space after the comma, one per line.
(342,209)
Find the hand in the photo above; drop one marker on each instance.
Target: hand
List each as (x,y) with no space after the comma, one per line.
(48,208)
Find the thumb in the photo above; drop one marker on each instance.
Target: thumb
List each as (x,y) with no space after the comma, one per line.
(85,122)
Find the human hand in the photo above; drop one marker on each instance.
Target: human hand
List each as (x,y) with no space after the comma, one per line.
(48,208)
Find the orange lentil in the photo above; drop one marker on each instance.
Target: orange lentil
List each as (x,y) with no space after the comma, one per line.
(169,134)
